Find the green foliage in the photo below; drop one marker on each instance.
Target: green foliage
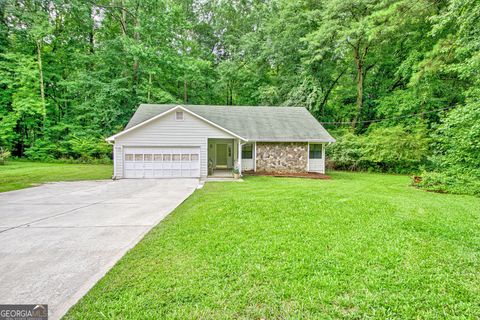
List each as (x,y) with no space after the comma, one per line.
(457,139)
(457,152)
(456,155)
(24,112)
(407,63)
(452,181)
(82,148)
(391,149)
(345,153)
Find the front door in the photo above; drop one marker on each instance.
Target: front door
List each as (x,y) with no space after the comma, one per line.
(222,155)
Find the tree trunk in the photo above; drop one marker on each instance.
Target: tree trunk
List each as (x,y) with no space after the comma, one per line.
(229,93)
(123,19)
(185,91)
(136,37)
(91,38)
(40,75)
(359,60)
(149,87)
(329,90)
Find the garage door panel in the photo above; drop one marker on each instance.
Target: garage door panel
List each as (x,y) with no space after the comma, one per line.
(161,162)
(148,166)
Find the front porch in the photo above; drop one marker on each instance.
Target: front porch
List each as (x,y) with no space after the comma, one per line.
(221,173)
(222,157)
(226,156)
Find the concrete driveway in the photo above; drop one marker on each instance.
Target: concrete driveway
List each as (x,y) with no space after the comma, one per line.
(59,239)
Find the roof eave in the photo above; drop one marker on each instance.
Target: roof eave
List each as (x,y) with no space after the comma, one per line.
(293,140)
(112,138)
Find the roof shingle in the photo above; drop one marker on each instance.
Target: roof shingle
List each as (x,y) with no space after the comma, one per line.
(251,123)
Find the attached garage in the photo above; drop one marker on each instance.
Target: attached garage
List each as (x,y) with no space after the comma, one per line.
(162,162)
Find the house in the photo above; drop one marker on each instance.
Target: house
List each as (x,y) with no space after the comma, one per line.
(163,141)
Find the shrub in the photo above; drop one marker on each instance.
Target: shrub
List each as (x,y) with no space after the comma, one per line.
(345,154)
(79,148)
(393,149)
(89,147)
(4,155)
(456,157)
(453,181)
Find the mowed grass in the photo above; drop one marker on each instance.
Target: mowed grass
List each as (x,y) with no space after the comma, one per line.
(357,246)
(21,174)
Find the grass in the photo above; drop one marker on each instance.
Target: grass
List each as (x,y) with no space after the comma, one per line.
(22,174)
(357,246)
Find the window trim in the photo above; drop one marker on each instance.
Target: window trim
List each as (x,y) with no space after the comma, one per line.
(251,151)
(319,153)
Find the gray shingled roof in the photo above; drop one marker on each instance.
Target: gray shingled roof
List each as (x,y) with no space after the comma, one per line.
(251,123)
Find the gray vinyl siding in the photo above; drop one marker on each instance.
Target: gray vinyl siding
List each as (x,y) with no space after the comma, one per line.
(168,132)
(118,161)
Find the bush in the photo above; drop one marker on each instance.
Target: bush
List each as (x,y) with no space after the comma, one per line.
(346,153)
(4,155)
(85,149)
(393,149)
(89,147)
(453,181)
(456,158)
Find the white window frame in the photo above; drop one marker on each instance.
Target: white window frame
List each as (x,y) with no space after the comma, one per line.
(321,150)
(253,145)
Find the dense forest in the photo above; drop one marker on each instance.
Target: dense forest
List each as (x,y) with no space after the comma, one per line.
(396,81)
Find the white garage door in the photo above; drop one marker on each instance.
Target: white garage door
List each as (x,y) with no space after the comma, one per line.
(162,162)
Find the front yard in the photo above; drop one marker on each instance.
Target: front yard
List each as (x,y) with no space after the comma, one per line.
(356,246)
(22,174)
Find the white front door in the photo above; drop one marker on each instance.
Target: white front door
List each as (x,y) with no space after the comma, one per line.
(161,162)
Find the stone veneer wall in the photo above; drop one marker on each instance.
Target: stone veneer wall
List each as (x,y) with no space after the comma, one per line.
(282,157)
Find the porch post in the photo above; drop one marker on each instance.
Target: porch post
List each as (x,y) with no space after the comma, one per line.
(239,157)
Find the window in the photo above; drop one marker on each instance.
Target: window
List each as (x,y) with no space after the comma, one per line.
(167,157)
(247,151)
(148,157)
(194,156)
(175,157)
(315,151)
(139,157)
(157,158)
(179,115)
(185,157)
(129,157)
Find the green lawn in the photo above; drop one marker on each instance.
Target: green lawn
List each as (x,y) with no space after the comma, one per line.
(21,174)
(357,246)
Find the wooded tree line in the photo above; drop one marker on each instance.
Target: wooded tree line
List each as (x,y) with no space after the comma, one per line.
(73,72)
